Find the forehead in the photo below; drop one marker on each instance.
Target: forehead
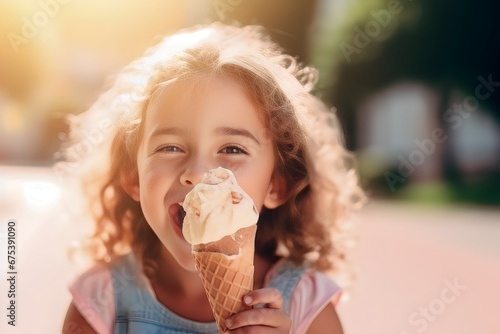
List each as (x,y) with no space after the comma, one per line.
(220,98)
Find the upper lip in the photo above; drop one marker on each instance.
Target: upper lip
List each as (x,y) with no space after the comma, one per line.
(178,202)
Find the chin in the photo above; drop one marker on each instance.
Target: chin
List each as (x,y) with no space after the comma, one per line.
(184,258)
(187,263)
(179,255)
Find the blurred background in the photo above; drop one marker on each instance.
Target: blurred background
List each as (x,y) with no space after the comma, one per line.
(416,85)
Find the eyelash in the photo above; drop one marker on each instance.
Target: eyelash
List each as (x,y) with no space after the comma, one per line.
(176,149)
(169,149)
(232,147)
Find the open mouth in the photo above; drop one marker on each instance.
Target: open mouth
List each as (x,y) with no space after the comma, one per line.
(177,214)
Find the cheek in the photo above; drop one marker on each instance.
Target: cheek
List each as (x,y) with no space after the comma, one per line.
(153,180)
(256,187)
(260,177)
(146,182)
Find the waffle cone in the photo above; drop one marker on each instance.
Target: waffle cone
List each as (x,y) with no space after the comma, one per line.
(226,270)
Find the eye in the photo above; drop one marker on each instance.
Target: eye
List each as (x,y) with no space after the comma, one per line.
(233,150)
(169,148)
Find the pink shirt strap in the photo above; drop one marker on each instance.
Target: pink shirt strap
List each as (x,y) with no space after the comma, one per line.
(313,293)
(93,297)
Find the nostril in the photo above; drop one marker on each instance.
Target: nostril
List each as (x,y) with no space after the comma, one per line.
(192,176)
(185,180)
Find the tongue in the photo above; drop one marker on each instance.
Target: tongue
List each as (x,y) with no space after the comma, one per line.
(177,214)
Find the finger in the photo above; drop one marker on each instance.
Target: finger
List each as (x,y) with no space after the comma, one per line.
(259,316)
(269,296)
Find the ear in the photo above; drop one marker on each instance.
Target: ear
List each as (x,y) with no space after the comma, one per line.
(129,180)
(275,193)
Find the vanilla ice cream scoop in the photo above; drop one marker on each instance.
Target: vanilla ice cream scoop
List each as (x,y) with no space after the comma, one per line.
(217,207)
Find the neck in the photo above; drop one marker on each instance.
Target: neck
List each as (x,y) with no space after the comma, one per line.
(174,277)
(262,266)
(179,288)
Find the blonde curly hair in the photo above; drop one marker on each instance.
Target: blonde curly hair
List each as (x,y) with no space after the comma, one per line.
(321,183)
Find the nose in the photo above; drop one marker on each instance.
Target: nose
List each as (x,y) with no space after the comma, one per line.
(192,175)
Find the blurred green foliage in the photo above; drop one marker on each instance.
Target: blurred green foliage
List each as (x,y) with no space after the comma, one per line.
(444,45)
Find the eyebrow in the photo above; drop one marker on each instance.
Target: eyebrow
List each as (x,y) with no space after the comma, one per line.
(221,131)
(167,131)
(228,131)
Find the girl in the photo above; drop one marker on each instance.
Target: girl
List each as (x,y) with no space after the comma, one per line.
(208,97)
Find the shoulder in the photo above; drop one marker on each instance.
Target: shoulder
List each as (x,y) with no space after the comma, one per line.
(314,294)
(93,297)
(327,321)
(75,322)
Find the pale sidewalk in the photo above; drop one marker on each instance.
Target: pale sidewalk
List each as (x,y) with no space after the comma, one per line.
(407,258)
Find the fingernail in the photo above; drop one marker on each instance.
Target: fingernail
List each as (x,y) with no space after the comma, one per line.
(229,322)
(247,300)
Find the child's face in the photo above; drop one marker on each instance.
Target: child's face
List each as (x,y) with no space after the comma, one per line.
(188,131)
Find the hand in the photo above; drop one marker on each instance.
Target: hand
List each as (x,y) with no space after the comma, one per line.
(269,319)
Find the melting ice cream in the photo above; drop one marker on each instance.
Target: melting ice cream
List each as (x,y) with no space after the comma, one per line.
(217,207)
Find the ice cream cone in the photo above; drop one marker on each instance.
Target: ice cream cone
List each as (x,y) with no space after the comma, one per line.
(220,224)
(226,269)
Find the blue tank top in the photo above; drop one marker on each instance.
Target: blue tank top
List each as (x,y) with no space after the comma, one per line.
(137,311)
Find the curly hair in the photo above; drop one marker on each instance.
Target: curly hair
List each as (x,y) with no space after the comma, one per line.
(321,183)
